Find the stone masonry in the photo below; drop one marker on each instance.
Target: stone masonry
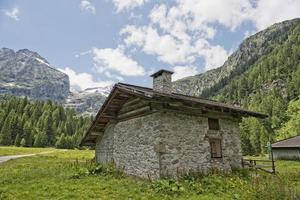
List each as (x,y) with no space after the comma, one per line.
(167,143)
(162,82)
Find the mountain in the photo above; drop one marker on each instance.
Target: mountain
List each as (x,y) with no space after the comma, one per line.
(249,52)
(263,75)
(88,101)
(26,73)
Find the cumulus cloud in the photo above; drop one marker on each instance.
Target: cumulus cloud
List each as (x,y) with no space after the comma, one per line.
(164,46)
(128,4)
(180,34)
(115,60)
(268,12)
(85,5)
(13,13)
(214,55)
(82,81)
(183,71)
(113,76)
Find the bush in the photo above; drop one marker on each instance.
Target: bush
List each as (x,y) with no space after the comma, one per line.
(91,168)
(169,187)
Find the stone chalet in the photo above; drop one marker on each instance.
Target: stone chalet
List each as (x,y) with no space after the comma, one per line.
(154,133)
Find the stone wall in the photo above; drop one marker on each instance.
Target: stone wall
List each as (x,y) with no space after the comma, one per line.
(134,145)
(168,144)
(105,145)
(187,144)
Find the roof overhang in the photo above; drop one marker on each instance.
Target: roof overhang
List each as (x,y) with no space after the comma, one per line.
(123,92)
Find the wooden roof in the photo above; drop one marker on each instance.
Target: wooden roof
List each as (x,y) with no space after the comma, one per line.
(122,92)
(288,143)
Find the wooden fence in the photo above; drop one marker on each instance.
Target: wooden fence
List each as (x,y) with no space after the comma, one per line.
(263,165)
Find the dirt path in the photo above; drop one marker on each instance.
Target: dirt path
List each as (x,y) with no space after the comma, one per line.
(11,157)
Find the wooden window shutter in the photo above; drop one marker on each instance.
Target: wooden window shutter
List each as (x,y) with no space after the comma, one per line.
(213,124)
(215,148)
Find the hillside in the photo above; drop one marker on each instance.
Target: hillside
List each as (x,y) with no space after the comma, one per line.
(249,52)
(262,75)
(39,123)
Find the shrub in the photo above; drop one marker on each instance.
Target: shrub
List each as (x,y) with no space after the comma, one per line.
(170,187)
(90,168)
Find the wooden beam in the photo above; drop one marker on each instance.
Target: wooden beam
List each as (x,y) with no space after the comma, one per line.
(135,112)
(137,105)
(131,102)
(96,133)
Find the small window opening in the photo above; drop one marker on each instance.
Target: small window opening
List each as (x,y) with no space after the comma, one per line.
(213,124)
(215,148)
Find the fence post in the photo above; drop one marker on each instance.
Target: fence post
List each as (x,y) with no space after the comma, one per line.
(273,162)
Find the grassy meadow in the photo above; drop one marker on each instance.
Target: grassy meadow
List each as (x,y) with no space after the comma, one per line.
(71,175)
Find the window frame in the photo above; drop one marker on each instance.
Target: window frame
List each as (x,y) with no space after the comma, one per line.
(219,142)
(213,124)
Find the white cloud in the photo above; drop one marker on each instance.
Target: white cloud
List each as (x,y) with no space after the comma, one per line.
(113,76)
(166,47)
(214,55)
(83,80)
(268,12)
(13,13)
(180,34)
(85,5)
(183,71)
(128,4)
(115,60)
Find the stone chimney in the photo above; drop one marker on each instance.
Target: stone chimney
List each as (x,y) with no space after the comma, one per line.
(162,81)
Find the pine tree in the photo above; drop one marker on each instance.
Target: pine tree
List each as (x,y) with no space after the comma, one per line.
(48,129)
(41,140)
(18,140)
(23,143)
(38,123)
(6,131)
(61,142)
(28,134)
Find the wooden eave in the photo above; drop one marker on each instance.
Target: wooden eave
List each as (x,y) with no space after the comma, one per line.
(121,93)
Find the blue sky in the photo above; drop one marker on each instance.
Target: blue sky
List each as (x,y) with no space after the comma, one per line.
(101,42)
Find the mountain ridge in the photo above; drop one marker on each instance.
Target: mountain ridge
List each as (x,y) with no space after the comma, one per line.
(204,84)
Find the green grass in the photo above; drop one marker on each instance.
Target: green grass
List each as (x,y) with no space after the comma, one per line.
(63,175)
(11,150)
(291,169)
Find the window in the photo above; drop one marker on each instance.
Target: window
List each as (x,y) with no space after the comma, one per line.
(215,148)
(213,124)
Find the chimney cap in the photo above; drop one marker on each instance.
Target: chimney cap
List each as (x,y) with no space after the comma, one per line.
(159,72)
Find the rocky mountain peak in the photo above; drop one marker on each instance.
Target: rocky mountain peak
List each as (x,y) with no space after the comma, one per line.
(31,55)
(26,73)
